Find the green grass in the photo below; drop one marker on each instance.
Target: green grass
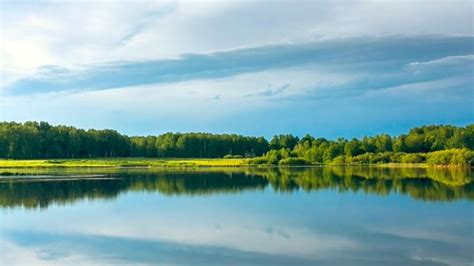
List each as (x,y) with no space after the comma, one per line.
(166,162)
(121,162)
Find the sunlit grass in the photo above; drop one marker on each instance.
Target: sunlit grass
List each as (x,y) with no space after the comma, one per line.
(121,162)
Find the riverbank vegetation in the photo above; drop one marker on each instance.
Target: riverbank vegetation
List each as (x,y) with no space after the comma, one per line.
(451,157)
(434,145)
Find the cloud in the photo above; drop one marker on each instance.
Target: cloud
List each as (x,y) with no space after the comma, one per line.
(145,22)
(390,53)
(430,89)
(54,32)
(270,92)
(353,67)
(450,65)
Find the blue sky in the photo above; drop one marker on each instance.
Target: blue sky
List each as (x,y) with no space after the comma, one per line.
(329,68)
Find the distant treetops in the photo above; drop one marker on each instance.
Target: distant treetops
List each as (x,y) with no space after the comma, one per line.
(431,144)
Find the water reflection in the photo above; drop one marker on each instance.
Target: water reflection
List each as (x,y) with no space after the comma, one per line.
(114,250)
(297,216)
(40,188)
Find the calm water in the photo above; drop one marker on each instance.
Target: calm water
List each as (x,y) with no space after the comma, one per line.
(302,216)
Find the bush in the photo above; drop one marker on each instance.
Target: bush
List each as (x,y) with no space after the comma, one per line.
(413,158)
(230,156)
(459,157)
(384,157)
(369,157)
(294,161)
(455,157)
(273,159)
(339,160)
(396,157)
(362,159)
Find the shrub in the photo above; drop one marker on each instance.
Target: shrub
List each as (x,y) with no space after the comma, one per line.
(362,159)
(396,157)
(413,158)
(384,157)
(273,159)
(339,160)
(459,157)
(230,156)
(294,161)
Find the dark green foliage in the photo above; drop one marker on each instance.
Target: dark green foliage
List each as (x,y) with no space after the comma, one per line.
(283,141)
(205,145)
(40,140)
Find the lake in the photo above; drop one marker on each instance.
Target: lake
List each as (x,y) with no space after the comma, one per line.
(231,216)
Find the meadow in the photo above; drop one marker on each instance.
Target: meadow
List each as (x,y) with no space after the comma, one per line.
(120,162)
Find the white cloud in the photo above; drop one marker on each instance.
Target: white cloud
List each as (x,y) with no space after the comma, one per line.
(433,90)
(194,100)
(67,33)
(451,61)
(196,94)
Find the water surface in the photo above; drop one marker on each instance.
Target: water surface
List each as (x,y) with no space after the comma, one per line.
(287,216)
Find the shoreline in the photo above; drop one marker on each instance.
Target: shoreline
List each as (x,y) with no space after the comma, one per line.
(144,163)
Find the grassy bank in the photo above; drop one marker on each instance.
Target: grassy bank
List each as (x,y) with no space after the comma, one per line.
(121,162)
(183,163)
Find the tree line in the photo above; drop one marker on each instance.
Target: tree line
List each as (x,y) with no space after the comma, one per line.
(441,144)
(32,140)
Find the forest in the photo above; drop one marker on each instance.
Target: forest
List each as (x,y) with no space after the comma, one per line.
(33,140)
(435,144)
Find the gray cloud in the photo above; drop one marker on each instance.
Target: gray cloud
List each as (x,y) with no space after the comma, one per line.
(146,21)
(375,54)
(270,92)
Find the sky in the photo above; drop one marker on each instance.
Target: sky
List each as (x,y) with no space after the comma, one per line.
(328,68)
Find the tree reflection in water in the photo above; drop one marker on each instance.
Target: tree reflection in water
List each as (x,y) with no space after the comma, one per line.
(40,188)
